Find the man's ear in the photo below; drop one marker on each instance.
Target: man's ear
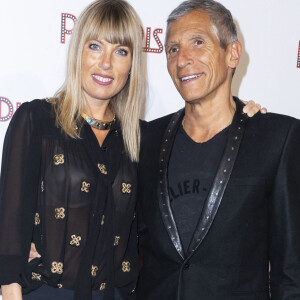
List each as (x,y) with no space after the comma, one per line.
(234,51)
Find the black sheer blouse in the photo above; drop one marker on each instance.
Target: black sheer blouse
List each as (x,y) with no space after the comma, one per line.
(74,199)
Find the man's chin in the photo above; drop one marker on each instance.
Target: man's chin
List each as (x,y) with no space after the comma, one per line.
(192,100)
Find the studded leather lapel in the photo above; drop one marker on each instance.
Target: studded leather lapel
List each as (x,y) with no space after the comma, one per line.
(220,182)
(164,200)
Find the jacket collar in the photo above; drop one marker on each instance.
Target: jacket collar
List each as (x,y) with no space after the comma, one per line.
(212,203)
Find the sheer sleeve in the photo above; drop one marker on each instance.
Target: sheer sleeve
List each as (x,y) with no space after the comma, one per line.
(18,192)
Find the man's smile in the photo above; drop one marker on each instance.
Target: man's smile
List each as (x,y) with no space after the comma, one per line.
(190,77)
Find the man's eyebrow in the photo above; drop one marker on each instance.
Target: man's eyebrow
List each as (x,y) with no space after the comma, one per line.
(171,44)
(197,36)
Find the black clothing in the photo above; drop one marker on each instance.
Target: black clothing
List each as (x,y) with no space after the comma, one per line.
(47,292)
(251,216)
(73,199)
(191,171)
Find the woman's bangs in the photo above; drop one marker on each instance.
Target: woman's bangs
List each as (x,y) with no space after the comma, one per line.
(114,28)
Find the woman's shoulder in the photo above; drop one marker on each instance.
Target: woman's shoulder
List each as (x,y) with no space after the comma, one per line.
(37,108)
(37,112)
(32,105)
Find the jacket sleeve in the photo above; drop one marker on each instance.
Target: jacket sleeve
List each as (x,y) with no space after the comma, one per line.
(285,221)
(18,193)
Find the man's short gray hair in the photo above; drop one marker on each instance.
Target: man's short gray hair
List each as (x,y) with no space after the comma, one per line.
(221,18)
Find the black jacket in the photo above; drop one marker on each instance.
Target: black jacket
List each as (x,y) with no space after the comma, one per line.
(251,216)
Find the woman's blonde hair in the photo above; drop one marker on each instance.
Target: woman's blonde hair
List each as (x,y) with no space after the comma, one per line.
(118,23)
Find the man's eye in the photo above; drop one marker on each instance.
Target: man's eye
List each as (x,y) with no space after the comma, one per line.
(94,46)
(173,50)
(198,42)
(122,51)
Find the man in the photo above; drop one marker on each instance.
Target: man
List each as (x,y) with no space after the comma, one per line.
(219,192)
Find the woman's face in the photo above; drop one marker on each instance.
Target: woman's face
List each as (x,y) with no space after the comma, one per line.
(104,69)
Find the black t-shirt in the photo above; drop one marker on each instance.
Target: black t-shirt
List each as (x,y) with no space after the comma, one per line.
(191,171)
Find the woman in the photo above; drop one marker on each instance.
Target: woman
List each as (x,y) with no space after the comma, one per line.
(68,179)
(69,169)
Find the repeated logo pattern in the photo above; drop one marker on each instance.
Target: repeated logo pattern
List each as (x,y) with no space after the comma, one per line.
(75,240)
(57,267)
(126,188)
(102,168)
(59,213)
(85,186)
(36,276)
(126,266)
(116,242)
(37,220)
(58,159)
(94,270)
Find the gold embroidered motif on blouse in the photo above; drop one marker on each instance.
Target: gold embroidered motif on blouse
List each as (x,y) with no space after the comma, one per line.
(94,270)
(59,285)
(57,267)
(85,186)
(116,242)
(36,276)
(102,286)
(102,220)
(75,240)
(126,266)
(42,186)
(59,213)
(37,220)
(102,169)
(126,188)
(58,159)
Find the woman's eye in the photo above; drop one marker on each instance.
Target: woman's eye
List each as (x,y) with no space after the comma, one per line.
(198,42)
(94,46)
(122,51)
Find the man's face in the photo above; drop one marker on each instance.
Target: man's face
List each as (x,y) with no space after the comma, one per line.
(196,61)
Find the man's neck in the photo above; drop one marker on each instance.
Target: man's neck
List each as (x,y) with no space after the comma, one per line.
(205,119)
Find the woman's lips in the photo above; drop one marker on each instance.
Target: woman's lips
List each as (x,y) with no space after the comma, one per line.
(102,79)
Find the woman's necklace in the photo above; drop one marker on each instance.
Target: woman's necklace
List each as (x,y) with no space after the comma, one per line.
(98,124)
